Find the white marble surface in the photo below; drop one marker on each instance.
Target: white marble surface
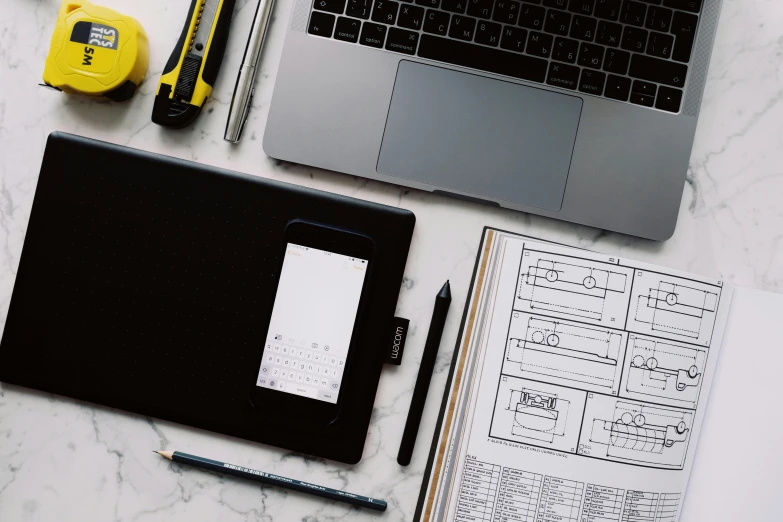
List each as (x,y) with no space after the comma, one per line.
(68,461)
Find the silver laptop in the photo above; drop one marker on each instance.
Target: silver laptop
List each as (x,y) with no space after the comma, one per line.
(581,110)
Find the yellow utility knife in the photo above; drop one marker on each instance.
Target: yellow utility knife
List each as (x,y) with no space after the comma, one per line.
(193,67)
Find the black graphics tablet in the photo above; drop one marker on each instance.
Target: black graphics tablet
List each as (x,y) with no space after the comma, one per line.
(147,284)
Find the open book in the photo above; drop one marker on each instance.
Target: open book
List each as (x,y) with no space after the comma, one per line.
(578,388)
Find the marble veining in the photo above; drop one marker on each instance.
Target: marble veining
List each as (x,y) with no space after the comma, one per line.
(69,461)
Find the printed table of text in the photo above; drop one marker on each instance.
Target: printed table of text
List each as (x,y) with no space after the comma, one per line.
(667,507)
(517,496)
(602,504)
(639,506)
(560,500)
(477,492)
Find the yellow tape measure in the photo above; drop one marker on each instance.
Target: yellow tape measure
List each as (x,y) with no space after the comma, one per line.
(97,52)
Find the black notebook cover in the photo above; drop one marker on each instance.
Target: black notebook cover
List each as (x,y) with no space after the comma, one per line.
(145,283)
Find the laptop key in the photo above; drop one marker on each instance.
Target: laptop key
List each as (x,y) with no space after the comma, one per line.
(513,39)
(634,39)
(656,70)
(372,35)
(402,41)
(385,11)
(332,6)
(480,8)
(488,33)
(436,22)
(592,82)
(557,22)
(668,99)
(583,28)
(638,98)
(321,24)
(561,75)
(482,58)
(506,11)
(557,4)
(659,19)
(532,16)
(565,50)
(693,6)
(608,9)
(411,17)
(591,55)
(359,8)
(347,29)
(660,45)
(684,30)
(429,3)
(608,33)
(617,87)
(539,44)
(583,7)
(454,6)
(616,61)
(462,27)
(633,13)
(644,87)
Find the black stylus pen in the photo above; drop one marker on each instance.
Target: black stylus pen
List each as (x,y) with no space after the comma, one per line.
(275,480)
(442,303)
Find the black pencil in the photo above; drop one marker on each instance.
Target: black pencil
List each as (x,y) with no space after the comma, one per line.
(275,480)
(442,303)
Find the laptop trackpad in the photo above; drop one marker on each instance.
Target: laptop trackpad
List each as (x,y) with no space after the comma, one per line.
(474,135)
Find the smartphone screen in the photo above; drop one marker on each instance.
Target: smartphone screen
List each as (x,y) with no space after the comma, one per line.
(312,323)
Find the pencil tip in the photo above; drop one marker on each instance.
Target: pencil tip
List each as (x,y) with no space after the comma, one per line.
(445,292)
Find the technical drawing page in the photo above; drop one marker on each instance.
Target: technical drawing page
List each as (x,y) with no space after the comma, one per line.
(588,392)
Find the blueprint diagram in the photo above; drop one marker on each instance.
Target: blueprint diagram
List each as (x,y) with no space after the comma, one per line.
(674,308)
(663,371)
(634,432)
(537,413)
(626,349)
(564,352)
(572,288)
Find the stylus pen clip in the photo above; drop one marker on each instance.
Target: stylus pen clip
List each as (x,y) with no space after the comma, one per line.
(242,99)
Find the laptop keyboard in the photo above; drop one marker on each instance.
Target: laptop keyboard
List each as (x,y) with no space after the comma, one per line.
(626,50)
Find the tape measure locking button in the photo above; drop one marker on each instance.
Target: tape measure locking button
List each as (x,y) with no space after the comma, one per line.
(96,51)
